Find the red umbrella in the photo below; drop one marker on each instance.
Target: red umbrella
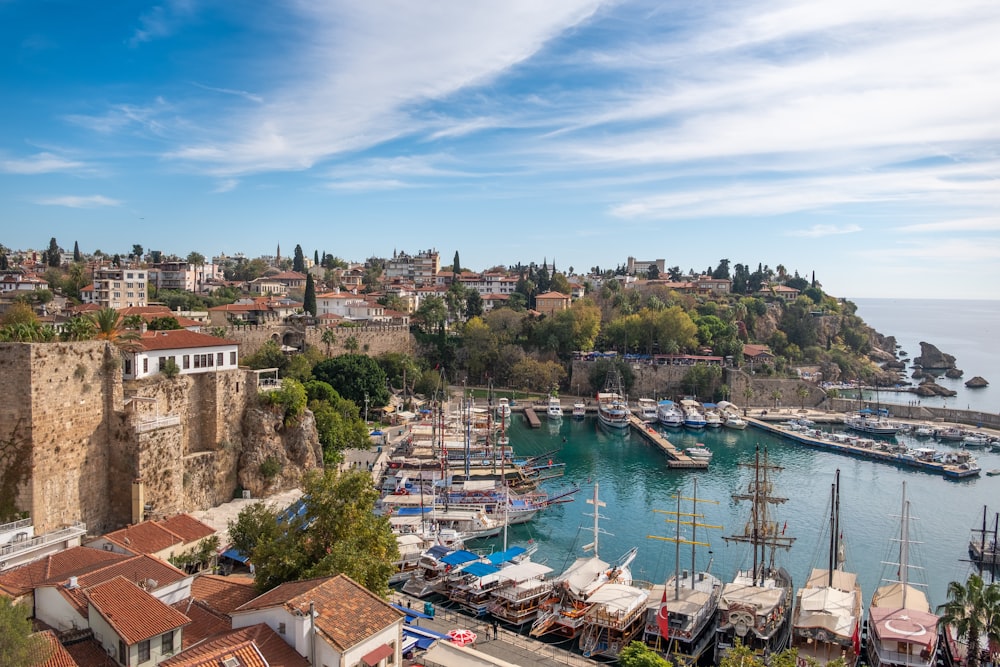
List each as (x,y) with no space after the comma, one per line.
(461,636)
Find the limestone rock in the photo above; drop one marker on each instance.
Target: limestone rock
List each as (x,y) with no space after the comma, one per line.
(931,388)
(977,383)
(953,373)
(275,456)
(932,358)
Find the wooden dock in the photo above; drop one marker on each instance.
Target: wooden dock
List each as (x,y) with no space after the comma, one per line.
(533,421)
(675,457)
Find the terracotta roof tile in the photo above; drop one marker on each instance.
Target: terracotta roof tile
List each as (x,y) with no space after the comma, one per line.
(57,567)
(180,338)
(186,527)
(133,613)
(139,569)
(222,594)
(347,612)
(204,622)
(144,538)
(90,654)
(54,653)
(269,644)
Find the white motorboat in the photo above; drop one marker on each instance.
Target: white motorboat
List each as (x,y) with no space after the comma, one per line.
(693,417)
(553,410)
(713,417)
(612,408)
(699,453)
(735,421)
(646,409)
(669,414)
(579,410)
(503,408)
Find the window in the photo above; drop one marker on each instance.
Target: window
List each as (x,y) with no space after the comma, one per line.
(122,653)
(128,367)
(145,364)
(197,361)
(232,358)
(281,628)
(391,658)
(187,361)
(220,360)
(160,363)
(167,643)
(143,651)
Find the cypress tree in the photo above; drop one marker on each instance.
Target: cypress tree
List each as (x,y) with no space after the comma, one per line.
(309,300)
(76,251)
(315,257)
(298,261)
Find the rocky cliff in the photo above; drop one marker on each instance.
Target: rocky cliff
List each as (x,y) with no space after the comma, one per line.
(276,456)
(932,358)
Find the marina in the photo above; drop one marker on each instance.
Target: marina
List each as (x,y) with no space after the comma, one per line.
(635,477)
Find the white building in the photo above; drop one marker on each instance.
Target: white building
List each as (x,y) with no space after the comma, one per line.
(349,306)
(420,269)
(349,625)
(183,276)
(192,352)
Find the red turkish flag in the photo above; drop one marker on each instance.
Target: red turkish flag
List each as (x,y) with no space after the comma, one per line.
(663,618)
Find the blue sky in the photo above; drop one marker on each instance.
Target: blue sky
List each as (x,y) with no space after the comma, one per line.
(857,139)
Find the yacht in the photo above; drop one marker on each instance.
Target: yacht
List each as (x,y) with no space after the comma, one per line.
(579,410)
(713,417)
(735,421)
(612,408)
(646,409)
(503,408)
(554,408)
(669,414)
(693,418)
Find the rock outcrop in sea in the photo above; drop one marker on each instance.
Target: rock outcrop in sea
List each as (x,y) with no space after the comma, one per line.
(977,383)
(934,359)
(931,388)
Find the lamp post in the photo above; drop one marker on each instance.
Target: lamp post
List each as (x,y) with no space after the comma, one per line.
(366,408)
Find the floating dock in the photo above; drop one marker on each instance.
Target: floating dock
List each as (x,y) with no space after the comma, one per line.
(533,421)
(812,438)
(675,458)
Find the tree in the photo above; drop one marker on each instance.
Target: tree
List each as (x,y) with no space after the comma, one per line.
(776,397)
(298,260)
(456,266)
(637,654)
(721,271)
(432,313)
(54,254)
(165,323)
(19,647)
(309,300)
(355,376)
(802,392)
(108,322)
(329,338)
(653,272)
(973,610)
(137,252)
(337,533)
(473,305)
(76,251)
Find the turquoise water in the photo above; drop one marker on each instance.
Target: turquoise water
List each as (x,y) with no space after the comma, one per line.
(634,480)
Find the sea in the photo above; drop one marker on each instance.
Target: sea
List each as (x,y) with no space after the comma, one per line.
(634,481)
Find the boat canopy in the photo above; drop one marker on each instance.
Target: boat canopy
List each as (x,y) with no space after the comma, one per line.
(459,557)
(413,511)
(480,570)
(619,598)
(438,551)
(501,557)
(516,573)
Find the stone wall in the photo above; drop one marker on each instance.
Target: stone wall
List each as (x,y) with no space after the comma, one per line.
(62,399)
(666,382)
(373,340)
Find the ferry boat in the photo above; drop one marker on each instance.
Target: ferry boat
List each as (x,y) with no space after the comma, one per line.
(713,417)
(869,423)
(829,609)
(515,602)
(646,409)
(616,616)
(680,624)
(902,630)
(756,608)
(434,564)
(473,586)
(503,408)
(612,408)
(579,410)
(669,414)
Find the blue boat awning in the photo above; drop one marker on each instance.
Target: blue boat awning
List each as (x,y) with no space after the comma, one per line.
(459,557)
(411,613)
(480,570)
(236,554)
(504,556)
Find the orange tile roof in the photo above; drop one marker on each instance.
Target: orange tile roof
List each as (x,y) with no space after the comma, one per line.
(144,538)
(57,567)
(551,295)
(269,644)
(54,653)
(222,594)
(133,613)
(180,338)
(347,612)
(204,622)
(90,654)
(186,527)
(139,569)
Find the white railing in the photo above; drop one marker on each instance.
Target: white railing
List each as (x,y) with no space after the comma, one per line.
(14,525)
(157,422)
(73,530)
(268,384)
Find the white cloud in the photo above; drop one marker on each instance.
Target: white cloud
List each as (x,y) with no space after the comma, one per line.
(226,185)
(161,21)
(40,163)
(71,201)
(952,226)
(817,231)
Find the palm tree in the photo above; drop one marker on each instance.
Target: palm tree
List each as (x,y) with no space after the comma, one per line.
(329,338)
(776,396)
(109,323)
(973,609)
(747,394)
(802,392)
(78,328)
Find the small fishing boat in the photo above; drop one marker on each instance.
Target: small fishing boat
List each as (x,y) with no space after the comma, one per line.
(699,452)
(553,410)
(993,473)
(646,409)
(579,410)
(503,408)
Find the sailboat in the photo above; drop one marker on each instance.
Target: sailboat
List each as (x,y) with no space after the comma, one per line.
(564,611)
(828,611)
(756,608)
(902,631)
(612,406)
(680,624)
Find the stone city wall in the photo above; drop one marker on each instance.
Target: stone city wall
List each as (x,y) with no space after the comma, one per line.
(372,340)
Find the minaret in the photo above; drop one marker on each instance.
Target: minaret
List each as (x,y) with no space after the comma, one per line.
(277,257)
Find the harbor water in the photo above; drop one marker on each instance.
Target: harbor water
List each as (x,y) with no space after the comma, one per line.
(634,480)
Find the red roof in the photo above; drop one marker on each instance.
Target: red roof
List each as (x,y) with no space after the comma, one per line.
(180,339)
(56,655)
(222,594)
(187,527)
(266,641)
(139,569)
(204,622)
(133,613)
(347,612)
(57,567)
(144,538)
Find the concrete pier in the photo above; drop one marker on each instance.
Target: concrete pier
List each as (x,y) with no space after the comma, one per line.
(675,457)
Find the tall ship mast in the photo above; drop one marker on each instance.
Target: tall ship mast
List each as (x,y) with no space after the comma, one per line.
(756,608)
